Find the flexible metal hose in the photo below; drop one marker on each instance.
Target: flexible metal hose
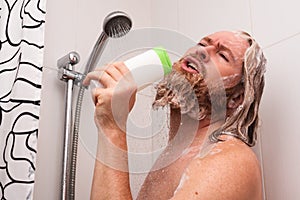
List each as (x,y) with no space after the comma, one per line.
(75,142)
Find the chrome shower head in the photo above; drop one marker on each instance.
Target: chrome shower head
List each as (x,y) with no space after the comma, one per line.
(117,24)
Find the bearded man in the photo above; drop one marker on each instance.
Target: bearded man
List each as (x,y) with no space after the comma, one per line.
(213,93)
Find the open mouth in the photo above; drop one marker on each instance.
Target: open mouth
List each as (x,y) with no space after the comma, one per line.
(192,66)
(189,66)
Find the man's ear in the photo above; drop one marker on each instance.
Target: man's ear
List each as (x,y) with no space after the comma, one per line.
(236,99)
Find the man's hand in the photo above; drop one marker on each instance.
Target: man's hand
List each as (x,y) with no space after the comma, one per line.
(115,99)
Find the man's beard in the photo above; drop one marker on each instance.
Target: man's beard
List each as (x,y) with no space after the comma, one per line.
(185,91)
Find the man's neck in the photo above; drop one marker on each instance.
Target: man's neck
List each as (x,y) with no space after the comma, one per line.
(194,130)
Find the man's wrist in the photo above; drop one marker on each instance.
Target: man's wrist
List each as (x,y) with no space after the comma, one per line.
(114,137)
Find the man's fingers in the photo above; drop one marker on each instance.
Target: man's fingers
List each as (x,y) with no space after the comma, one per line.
(94,75)
(108,76)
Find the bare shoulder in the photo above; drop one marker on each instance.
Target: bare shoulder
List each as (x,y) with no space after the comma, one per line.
(230,170)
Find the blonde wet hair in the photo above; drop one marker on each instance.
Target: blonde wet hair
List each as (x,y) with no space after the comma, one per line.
(244,122)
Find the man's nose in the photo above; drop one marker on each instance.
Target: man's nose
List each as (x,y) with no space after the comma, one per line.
(203,54)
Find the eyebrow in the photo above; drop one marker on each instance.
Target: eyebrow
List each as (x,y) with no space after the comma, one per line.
(220,47)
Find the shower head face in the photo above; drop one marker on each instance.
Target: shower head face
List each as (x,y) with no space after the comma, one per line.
(117,24)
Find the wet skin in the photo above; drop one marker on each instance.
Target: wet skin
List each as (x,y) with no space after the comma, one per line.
(230,170)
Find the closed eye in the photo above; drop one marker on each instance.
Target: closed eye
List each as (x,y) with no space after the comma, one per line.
(202,44)
(224,57)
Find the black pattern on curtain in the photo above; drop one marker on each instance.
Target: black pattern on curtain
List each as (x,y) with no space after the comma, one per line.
(21,60)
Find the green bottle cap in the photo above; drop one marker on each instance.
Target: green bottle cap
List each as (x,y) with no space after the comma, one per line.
(164,58)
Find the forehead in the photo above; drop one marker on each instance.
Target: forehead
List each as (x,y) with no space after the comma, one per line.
(232,40)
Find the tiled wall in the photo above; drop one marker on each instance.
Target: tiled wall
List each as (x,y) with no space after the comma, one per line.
(75,25)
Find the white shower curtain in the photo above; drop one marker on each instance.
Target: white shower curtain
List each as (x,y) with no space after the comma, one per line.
(21,58)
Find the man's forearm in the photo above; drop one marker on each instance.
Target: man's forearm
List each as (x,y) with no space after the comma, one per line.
(111,176)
